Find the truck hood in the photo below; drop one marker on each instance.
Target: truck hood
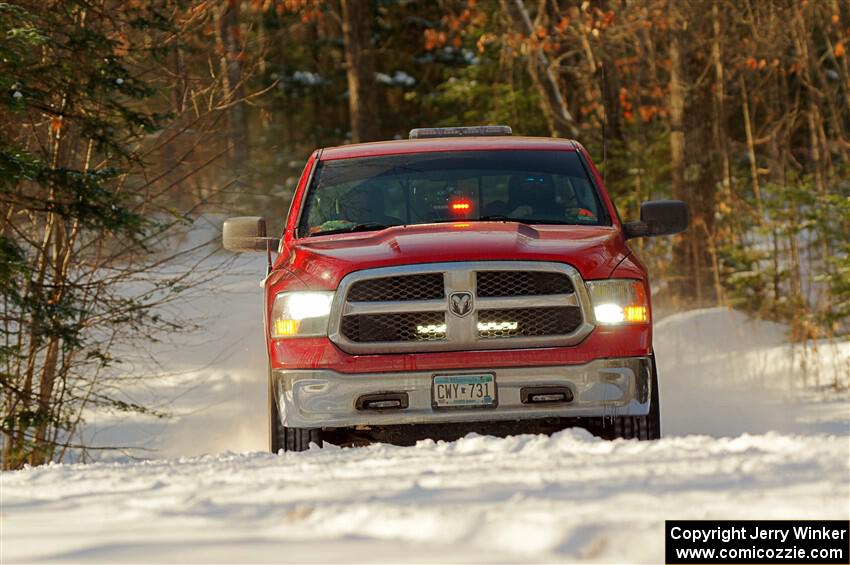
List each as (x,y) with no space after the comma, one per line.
(322,261)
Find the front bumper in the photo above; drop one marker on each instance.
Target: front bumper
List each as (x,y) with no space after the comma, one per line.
(316,398)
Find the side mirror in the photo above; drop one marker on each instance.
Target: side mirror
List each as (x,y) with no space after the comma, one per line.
(659,217)
(247,233)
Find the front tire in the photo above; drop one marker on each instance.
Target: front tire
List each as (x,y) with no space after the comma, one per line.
(642,427)
(288,439)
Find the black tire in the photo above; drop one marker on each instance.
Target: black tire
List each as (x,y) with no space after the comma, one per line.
(642,427)
(288,439)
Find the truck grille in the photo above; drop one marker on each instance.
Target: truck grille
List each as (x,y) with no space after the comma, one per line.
(407,287)
(404,326)
(517,322)
(460,306)
(521,283)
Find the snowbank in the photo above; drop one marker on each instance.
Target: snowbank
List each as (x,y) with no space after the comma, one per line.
(213,380)
(566,498)
(724,374)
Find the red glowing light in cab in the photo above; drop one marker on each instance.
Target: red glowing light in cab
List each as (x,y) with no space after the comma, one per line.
(461,206)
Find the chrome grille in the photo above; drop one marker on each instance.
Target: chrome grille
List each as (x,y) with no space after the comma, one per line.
(521,283)
(408,287)
(516,322)
(514,304)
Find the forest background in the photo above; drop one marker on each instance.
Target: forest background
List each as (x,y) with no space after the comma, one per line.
(123,121)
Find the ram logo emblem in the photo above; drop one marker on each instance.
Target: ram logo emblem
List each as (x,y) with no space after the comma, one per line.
(460,303)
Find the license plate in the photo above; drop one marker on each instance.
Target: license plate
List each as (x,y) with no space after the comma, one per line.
(464,391)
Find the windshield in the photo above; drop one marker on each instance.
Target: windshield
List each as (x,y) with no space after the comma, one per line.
(373,193)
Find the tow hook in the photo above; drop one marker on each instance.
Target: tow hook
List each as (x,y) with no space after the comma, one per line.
(383,401)
(546,394)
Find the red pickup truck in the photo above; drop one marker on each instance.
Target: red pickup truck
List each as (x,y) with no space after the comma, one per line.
(460,280)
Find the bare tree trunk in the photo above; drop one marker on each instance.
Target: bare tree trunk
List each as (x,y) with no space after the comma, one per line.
(719,131)
(360,69)
(720,101)
(234,93)
(751,151)
(561,122)
(682,256)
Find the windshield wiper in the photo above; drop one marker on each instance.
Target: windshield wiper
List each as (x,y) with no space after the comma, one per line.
(501,218)
(368,226)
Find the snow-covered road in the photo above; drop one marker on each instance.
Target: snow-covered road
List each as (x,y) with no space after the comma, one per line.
(567,498)
(752,430)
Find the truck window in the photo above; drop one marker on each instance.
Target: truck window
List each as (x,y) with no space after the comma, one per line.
(530,186)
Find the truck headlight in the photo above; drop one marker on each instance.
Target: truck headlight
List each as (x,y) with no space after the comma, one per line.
(619,301)
(300,314)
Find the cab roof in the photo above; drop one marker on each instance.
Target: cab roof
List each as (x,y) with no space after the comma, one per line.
(431,145)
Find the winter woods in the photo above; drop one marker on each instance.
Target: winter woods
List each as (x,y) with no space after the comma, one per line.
(96,171)
(120,121)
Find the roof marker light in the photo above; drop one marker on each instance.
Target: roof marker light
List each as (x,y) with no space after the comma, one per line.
(471,131)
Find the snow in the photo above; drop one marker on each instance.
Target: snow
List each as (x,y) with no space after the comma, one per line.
(746,378)
(308,78)
(398,78)
(569,497)
(753,429)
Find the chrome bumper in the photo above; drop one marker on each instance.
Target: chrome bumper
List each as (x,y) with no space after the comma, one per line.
(327,399)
